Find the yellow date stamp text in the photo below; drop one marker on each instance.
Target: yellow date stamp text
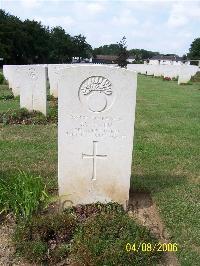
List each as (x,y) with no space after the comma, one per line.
(149,247)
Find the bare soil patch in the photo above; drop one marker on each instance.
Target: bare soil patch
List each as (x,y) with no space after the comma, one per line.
(7,249)
(144,211)
(141,208)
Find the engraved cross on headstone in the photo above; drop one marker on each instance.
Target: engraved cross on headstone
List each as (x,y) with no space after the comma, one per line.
(94,156)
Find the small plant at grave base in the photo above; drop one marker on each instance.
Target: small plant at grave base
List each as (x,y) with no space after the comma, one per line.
(102,240)
(196,77)
(38,118)
(22,194)
(25,117)
(22,116)
(7,97)
(53,111)
(82,212)
(53,116)
(51,98)
(45,238)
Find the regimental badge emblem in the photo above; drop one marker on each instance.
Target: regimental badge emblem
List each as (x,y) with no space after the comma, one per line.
(96,93)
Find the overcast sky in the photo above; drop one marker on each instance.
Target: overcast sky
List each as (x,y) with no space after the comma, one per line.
(164,26)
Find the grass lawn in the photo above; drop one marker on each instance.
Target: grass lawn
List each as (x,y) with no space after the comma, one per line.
(166,155)
(166,158)
(6,105)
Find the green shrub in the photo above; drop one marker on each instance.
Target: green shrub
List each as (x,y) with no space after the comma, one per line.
(38,118)
(22,194)
(1,78)
(45,238)
(196,77)
(6,97)
(102,240)
(82,212)
(25,117)
(53,114)
(51,98)
(22,116)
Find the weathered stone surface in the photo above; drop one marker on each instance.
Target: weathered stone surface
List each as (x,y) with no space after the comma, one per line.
(184,77)
(16,79)
(95,134)
(33,88)
(11,73)
(53,74)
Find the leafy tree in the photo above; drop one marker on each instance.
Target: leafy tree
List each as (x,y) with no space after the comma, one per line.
(61,46)
(22,42)
(123,53)
(36,38)
(111,49)
(10,37)
(81,48)
(141,54)
(194,51)
(184,57)
(30,42)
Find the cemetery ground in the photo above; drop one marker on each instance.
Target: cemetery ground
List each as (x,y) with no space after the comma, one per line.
(165,170)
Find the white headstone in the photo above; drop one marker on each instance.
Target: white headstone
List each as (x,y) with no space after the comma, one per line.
(158,72)
(139,68)
(169,72)
(6,71)
(96,106)
(12,74)
(16,79)
(53,73)
(33,88)
(150,70)
(184,77)
(9,73)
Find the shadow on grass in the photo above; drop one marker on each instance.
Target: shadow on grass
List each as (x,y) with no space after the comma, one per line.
(154,183)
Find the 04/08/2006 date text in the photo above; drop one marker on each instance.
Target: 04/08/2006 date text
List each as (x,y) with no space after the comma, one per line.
(148,247)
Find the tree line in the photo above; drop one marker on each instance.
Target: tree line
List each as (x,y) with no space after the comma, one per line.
(194,51)
(113,49)
(30,42)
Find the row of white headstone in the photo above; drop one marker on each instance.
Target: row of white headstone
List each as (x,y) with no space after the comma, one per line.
(13,73)
(30,81)
(183,72)
(96,113)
